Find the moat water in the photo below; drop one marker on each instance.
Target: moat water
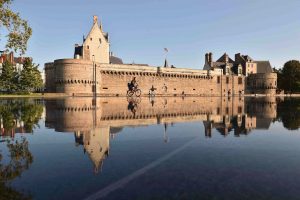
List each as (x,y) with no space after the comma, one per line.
(150,148)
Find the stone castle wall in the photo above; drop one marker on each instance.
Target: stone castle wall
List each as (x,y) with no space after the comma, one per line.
(262,83)
(50,77)
(75,76)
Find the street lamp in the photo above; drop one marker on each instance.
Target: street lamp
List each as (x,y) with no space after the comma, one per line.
(94,75)
(95,91)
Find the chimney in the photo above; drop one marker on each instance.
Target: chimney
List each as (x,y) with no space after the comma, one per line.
(226,58)
(210,57)
(206,58)
(236,57)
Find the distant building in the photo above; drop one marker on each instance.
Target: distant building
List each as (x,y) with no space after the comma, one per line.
(16,61)
(259,74)
(241,65)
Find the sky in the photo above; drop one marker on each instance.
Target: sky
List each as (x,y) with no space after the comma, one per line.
(140,29)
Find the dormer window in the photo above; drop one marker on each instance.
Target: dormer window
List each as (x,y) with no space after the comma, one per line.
(240,71)
(227,70)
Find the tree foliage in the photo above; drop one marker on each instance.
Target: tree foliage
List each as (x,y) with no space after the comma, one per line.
(8,77)
(291,74)
(29,79)
(18,29)
(289,77)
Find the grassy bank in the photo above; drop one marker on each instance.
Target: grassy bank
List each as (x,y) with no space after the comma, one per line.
(34,95)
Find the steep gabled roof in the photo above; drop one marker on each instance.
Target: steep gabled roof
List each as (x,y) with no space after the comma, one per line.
(96,26)
(264,67)
(115,60)
(247,58)
(223,59)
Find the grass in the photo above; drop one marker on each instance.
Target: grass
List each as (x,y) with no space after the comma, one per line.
(40,95)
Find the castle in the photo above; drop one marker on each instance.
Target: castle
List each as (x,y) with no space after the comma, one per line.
(95,70)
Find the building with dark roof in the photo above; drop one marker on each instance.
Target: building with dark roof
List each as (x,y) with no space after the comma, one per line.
(260,78)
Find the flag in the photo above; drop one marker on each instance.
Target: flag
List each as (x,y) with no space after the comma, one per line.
(166,50)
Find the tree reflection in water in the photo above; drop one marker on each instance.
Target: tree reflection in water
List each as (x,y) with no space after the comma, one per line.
(289,113)
(15,112)
(16,116)
(20,158)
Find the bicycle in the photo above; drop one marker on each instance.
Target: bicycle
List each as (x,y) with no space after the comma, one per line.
(133,91)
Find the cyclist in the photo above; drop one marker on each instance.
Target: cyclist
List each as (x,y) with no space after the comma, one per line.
(133,84)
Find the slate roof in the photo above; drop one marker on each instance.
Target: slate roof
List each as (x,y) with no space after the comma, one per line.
(264,67)
(78,50)
(222,58)
(220,64)
(247,58)
(115,60)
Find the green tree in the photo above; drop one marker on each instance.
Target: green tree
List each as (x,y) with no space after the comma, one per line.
(291,76)
(280,78)
(18,29)
(8,78)
(30,77)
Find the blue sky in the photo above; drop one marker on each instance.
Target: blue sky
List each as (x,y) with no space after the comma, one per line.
(140,29)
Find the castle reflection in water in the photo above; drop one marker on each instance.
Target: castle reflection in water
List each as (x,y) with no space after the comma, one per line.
(94,123)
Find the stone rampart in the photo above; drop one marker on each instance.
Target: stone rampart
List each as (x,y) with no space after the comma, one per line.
(262,83)
(50,77)
(75,76)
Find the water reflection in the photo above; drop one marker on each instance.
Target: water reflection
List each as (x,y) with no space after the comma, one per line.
(16,116)
(19,116)
(18,160)
(96,124)
(224,114)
